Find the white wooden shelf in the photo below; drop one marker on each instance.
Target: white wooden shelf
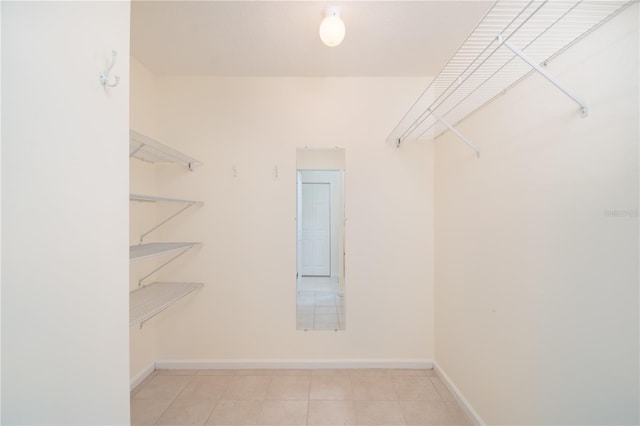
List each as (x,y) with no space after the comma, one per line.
(150,250)
(149,150)
(150,300)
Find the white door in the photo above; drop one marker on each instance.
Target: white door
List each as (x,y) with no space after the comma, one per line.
(316,229)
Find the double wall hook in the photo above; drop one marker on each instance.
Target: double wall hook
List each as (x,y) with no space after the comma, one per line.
(104,76)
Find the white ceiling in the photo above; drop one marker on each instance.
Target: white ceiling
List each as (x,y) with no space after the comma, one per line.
(280,38)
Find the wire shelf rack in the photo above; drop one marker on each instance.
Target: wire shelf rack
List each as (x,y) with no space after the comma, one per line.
(150,300)
(150,250)
(485,66)
(149,150)
(154,199)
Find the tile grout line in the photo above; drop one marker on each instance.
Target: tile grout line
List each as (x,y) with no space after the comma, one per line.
(211,413)
(436,388)
(452,408)
(309,398)
(175,398)
(217,400)
(306,419)
(395,393)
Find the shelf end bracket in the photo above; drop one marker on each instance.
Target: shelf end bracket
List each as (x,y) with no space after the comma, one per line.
(186,249)
(584,109)
(142,236)
(456,132)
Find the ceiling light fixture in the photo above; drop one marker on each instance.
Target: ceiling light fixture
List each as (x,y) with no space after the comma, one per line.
(332,28)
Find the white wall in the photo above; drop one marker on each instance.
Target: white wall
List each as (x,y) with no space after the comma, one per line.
(248,261)
(64,218)
(142,216)
(536,287)
(320,159)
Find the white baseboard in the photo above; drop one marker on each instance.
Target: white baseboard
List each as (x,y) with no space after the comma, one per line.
(475,417)
(139,378)
(240,364)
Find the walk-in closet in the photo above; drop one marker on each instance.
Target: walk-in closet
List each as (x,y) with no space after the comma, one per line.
(343,213)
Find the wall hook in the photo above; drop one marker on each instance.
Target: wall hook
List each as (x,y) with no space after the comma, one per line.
(104,76)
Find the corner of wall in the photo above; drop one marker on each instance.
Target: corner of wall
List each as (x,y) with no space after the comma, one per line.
(466,405)
(143,180)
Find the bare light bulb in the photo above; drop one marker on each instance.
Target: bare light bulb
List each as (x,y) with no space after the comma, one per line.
(332,29)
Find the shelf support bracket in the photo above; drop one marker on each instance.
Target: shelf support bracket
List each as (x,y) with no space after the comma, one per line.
(457,133)
(163,265)
(584,110)
(142,236)
(132,154)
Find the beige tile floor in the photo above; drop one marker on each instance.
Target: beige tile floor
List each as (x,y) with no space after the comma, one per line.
(319,306)
(294,397)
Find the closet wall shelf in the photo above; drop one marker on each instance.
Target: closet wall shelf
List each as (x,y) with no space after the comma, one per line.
(150,300)
(149,150)
(155,199)
(514,39)
(150,250)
